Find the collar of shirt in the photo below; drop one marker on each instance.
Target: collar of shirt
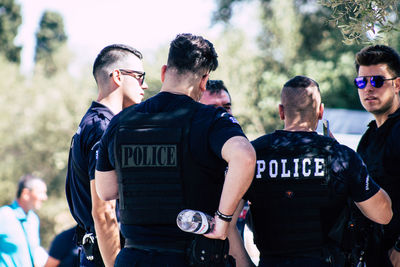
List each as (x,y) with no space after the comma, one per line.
(19,212)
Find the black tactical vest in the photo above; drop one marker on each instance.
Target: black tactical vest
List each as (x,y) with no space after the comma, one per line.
(290,192)
(157,175)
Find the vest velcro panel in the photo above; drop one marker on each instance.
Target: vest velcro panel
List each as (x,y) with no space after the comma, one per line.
(150,149)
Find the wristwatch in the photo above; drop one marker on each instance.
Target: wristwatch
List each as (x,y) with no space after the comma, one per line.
(397,245)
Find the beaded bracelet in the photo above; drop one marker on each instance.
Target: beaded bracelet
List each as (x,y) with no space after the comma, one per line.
(224,217)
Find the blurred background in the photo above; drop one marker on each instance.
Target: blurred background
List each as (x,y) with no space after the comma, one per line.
(47,49)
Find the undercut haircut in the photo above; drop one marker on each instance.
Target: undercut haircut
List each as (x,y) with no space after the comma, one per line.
(296,97)
(216,86)
(379,54)
(191,53)
(110,58)
(27,181)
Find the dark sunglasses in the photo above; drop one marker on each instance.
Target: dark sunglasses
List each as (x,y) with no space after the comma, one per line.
(376,81)
(138,75)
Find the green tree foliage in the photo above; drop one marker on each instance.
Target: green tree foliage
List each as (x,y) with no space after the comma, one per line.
(10,20)
(356,18)
(41,115)
(297,38)
(50,38)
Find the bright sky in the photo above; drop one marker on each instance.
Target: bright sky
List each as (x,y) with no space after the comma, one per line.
(93,24)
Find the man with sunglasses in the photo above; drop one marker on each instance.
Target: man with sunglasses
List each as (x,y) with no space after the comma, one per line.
(302,184)
(118,71)
(170,153)
(378,83)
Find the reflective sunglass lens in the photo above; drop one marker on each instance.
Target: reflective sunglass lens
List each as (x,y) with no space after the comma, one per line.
(377,81)
(360,82)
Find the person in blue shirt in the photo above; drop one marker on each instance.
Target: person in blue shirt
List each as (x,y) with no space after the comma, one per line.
(119,74)
(19,224)
(63,250)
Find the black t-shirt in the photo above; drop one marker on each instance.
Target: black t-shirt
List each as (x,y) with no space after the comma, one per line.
(207,137)
(63,248)
(380,150)
(82,163)
(348,173)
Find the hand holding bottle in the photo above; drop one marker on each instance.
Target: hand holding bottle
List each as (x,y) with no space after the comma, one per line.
(195,222)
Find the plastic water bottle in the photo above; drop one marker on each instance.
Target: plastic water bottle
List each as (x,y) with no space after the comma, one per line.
(195,222)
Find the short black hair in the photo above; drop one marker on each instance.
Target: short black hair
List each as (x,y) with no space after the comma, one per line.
(216,86)
(192,53)
(26,181)
(298,98)
(379,54)
(301,82)
(113,53)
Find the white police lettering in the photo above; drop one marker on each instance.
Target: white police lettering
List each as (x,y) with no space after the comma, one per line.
(296,168)
(319,167)
(260,168)
(285,173)
(273,168)
(367,183)
(291,168)
(305,172)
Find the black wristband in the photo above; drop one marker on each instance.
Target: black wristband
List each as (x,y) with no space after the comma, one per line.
(223,217)
(397,245)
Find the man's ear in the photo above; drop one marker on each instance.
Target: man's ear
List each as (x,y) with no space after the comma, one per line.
(25,193)
(321,111)
(163,70)
(203,82)
(281,112)
(116,76)
(397,84)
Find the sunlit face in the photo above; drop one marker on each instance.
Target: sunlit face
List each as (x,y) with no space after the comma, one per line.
(379,101)
(217,100)
(132,91)
(37,194)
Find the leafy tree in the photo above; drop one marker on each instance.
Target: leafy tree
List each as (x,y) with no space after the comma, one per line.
(297,38)
(357,18)
(49,39)
(42,115)
(10,20)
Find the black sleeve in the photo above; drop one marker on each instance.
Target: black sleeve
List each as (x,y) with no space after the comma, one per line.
(225,127)
(351,170)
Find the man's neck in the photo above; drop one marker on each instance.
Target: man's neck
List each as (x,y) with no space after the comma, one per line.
(23,205)
(382,117)
(299,127)
(180,89)
(112,101)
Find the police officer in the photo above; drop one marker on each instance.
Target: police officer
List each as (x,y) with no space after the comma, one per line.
(301,183)
(378,83)
(170,153)
(119,75)
(217,95)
